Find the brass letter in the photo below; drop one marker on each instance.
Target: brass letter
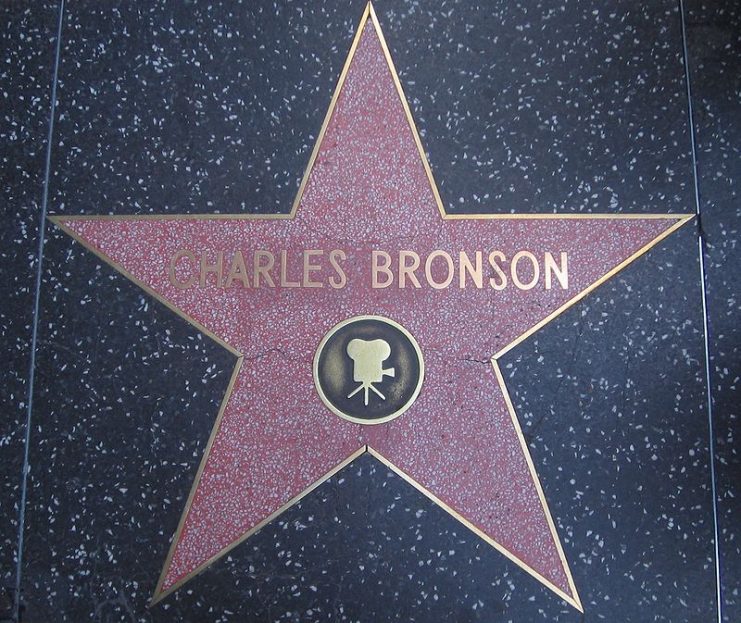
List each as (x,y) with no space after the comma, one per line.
(407,270)
(477,273)
(311,268)
(237,271)
(263,270)
(284,270)
(502,282)
(513,270)
(376,268)
(334,257)
(562,272)
(217,268)
(181,285)
(428,269)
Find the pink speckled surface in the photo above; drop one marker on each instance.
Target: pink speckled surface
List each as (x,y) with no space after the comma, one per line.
(368,190)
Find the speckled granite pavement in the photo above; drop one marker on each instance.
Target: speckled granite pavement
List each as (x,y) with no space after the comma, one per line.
(172,108)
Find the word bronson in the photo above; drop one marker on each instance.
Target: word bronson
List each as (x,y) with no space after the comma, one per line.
(316,268)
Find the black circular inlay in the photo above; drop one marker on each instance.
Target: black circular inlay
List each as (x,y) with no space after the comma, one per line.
(368,369)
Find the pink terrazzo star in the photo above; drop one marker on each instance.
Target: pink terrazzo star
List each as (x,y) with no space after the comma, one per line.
(367,189)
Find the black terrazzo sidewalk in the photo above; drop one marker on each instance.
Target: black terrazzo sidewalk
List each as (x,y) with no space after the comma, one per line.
(169,107)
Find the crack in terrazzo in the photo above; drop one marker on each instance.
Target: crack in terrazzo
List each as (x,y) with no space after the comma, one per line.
(474,360)
(268,352)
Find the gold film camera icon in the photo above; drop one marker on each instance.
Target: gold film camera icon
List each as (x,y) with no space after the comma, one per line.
(368,357)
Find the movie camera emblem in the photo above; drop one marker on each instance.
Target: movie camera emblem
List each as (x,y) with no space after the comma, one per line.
(368,369)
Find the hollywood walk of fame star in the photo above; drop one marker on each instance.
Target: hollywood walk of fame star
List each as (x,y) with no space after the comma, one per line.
(245,281)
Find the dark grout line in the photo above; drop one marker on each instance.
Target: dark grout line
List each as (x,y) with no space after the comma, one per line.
(34,333)
(706,327)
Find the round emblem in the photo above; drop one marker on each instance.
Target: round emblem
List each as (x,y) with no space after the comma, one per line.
(368,369)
